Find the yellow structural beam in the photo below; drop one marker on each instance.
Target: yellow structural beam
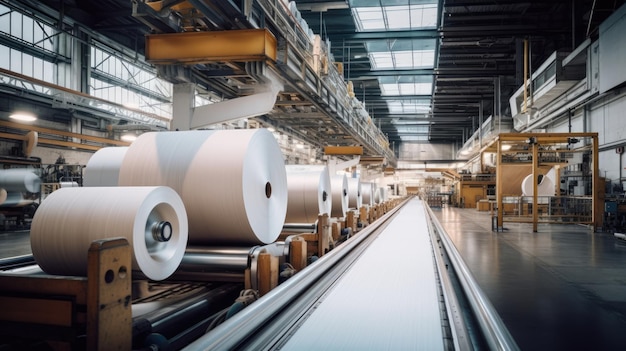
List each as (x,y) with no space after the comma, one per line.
(160,5)
(343,150)
(216,46)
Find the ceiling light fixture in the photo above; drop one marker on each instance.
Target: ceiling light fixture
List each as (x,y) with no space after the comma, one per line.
(23,117)
(129,137)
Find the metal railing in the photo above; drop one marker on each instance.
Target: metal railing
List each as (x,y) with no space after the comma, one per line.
(493,329)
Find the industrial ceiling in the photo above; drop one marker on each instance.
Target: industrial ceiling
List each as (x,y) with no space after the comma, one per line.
(426,70)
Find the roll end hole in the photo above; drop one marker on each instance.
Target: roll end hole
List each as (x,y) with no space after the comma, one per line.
(324,195)
(268,190)
(162,231)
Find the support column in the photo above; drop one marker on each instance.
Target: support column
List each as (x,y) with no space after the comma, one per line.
(535,181)
(596,206)
(499,182)
(182,106)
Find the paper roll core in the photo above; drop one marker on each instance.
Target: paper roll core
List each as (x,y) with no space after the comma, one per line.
(268,190)
(324,196)
(159,231)
(162,231)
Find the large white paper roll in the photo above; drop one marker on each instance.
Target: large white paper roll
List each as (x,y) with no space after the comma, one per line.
(16,199)
(309,194)
(545,188)
(152,219)
(233,182)
(339,190)
(355,199)
(103,168)
(376,196)
(383,193)
(367,193)
(20,180)
(3,195)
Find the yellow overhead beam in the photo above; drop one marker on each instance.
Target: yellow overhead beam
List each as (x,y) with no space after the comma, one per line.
(160,5)
(545,137)
(343,150)
(215,46)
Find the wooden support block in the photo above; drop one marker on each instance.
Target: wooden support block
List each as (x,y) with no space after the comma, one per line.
(335,231)
(247,279)
(350,221)
(363,216)
(323,232)
(298,253)
(267,272)
(109,307)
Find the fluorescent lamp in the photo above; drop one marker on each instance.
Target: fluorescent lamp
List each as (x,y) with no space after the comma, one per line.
(23,117)
(129,137)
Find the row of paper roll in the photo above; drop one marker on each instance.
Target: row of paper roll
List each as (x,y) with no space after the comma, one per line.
(169,189)
(15,182)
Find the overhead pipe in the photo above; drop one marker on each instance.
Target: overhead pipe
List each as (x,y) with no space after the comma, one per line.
(257,104)
(525,106)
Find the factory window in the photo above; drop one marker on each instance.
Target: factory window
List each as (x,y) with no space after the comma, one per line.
(128,82)
(403,17)
(28,48)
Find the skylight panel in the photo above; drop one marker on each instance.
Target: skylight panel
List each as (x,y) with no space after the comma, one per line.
(402,59)
(414,137)
(400,17)
(369,18)
(390,89)
(408,106)
(424,16)
(381,60)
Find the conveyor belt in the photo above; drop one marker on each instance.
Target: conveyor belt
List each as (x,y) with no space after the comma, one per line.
(382,289)
(388,299)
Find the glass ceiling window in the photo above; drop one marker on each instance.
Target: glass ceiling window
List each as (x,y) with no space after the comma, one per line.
(406,85)
(402,59)
(401,53)
(408,106)
(402,17)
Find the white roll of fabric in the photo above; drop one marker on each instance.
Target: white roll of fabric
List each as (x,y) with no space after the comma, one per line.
(68,184)
(376,196)
(20,180)
(103,168)
(545,188)
(152,219)
(339,190)
(383,193)
(367,193)
(16,199)
(355,199)
(309,194)
(233,182)
(3,195)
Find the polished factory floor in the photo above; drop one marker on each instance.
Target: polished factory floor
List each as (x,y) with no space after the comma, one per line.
(14,243)
(562,288)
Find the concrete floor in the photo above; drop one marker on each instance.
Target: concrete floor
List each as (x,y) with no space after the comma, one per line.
(562,288)
(14,243)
